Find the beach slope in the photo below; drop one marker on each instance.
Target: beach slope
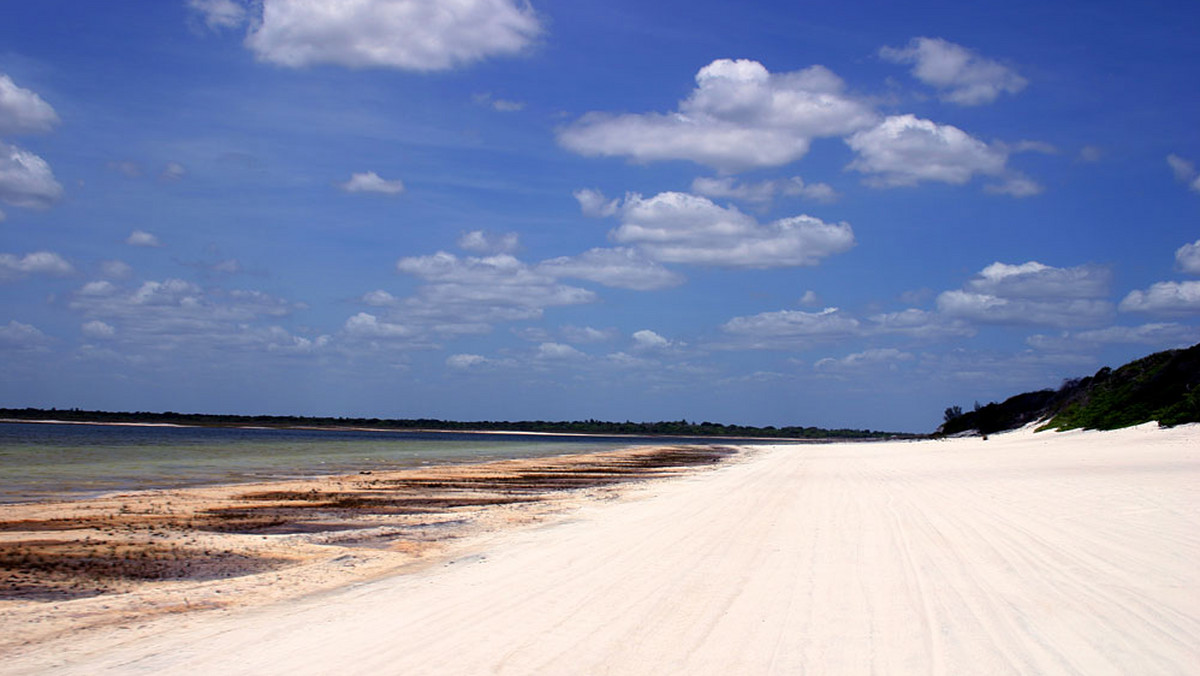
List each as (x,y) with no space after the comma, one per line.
(1067,552)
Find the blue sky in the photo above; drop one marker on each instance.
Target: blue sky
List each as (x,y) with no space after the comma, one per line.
(773,213)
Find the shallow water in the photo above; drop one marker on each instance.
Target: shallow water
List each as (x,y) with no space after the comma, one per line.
(39,461)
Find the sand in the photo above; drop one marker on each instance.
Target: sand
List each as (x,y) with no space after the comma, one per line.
(1050,553)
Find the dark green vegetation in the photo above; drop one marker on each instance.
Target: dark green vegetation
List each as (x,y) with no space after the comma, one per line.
(681,428)
(1164,386)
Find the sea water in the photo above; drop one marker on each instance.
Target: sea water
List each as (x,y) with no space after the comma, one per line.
(40,461)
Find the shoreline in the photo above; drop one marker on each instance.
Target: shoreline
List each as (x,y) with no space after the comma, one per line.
(130,556)
(1059,552)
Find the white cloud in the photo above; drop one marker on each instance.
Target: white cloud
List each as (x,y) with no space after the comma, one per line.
(1187,258)
(1032,293)
(1015,185)
(792,328)
(1157,334)
(366,325)
(987,309)
(866,360)
(176,315)
(763,192)
(98,329)
(499,105)
(26,180)
(420,35)
(1184,171)
(810,298)
(919,324)
(1165,298)
(1036,280)
(23,111)
(677,227)
(19,336)
(379,298)
(37,263)
(142,238)
(219,14)
(371,182)
(481,242)
(558,351)
(738,117)
(465,361)
(587,334)
(961,75)
(904,150)
(468,294)
(649,340)
(116,269)
(622,268)
(593,203)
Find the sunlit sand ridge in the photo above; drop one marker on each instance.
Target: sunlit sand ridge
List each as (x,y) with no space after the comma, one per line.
(1027,553)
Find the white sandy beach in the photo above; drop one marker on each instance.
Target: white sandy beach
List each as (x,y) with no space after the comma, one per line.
(1051,553)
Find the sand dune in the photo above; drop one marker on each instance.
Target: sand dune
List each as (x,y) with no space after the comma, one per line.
(1042,553)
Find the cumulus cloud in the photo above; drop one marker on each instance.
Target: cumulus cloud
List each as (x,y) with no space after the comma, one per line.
(739,116)
(1187,258)
(371,182)
(419,35)
(26,179)
(219,14)
(465,361)
(867,360)
(763,192)
(37,263)
(1185,171)
(558,352)
(649,341)
(499,105)
(587,334)
(1156,334)
(114,269)
(622,268)
(23,111)
(478,241)
(1165,298)
(677,227)
(142,238)
(1037,280)
(961,75)
(366,325)
(18,336)
(919,324)
(160,317)
(792,328)
(593,203)
(468,294)
(98,330)
(1032,293)
(904,150)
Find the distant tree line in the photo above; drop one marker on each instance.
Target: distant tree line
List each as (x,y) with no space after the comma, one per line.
(681,428)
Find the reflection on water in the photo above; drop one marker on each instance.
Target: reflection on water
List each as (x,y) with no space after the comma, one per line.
(49,460)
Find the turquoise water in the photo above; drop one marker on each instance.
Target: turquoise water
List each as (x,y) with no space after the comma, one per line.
(40,461)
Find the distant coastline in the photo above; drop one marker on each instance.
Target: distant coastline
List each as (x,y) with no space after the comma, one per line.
(682,428)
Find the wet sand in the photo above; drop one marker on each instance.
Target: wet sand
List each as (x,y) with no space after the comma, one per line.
(79,565)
